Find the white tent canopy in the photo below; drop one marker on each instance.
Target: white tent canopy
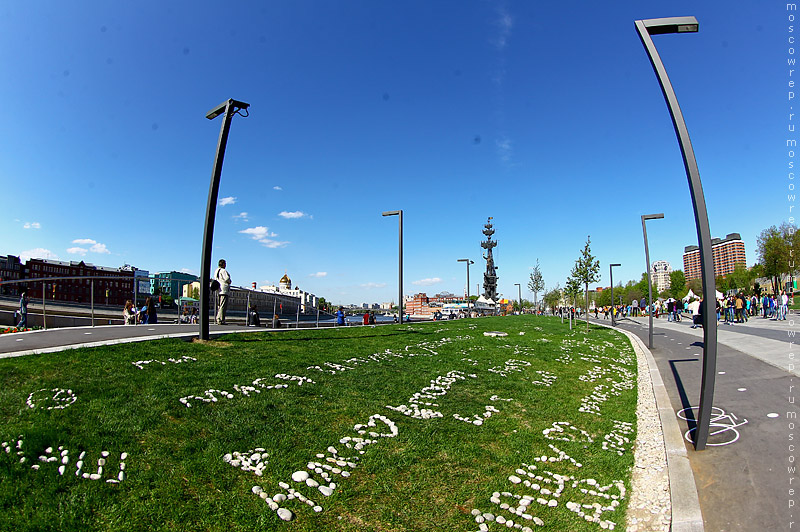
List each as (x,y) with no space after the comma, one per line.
(689,296)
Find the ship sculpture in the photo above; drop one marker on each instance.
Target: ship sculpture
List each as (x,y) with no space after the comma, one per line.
(490,277)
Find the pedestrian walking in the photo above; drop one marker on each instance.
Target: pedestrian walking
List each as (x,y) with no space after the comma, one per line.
(129,313)
(340,316)
(23,311)
(221,275)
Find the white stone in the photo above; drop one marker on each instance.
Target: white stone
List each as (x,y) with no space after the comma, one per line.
(279,497)
(299,476)
(123,456)
(121,476)
(317,509)
(285,514)
(94,476)
(325,490)
(256,490)
(101,461)
(104,454)
(61,469)
(311,483)
(514,479)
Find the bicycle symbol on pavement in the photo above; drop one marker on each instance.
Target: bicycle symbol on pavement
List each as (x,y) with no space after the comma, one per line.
(721,423)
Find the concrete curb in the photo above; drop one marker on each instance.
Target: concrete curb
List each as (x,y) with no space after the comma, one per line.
(686,514)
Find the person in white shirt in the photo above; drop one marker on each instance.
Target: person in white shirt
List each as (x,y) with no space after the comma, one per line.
(224,279)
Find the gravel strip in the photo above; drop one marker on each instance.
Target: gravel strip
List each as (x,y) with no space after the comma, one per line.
(649,507)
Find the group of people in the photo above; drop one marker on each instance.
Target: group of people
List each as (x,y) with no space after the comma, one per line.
(147,315)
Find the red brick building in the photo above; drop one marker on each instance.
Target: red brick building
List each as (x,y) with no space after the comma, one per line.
(727,254)
(422,305)
(112,291)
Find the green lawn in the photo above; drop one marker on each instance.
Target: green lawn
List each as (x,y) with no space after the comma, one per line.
(414,427)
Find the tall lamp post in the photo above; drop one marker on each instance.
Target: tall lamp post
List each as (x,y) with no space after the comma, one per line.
(646,217)
(519,289)
(229,108)
(646,28)
(611,275)
(400,283)
(468,263)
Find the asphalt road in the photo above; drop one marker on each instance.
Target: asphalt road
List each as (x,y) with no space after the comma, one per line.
(742,477)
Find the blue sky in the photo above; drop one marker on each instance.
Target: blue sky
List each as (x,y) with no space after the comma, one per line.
(546,116)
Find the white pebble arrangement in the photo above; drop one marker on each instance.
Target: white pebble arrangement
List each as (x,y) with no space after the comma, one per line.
(428,349)
(512,365)
(566,431)
(470,361)
(617,439)
(60,397)
(254,460)
(213,395)
(592,403)
(61,458)
(319,472)
(424,398)
(476,419)
(594,374)
(545,379)
(142,363)
(494,334)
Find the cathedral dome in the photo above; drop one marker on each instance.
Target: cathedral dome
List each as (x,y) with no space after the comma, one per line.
(285,281)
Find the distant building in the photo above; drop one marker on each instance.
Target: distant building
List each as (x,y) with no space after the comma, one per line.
(10,270)
(727,254)
(659,274)
(171,283)
(308,301)
(423,305)
(111,291)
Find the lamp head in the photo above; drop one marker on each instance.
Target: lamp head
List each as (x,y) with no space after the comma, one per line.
(218,110)
(467,261)
(612,265)
(391,213)
(653,216)
(658,26)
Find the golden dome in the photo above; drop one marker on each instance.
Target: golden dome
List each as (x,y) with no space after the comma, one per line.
(285,280)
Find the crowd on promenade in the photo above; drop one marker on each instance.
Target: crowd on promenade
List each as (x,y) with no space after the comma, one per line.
(735,308)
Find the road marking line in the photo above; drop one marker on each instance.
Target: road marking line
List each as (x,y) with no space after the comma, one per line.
(742,389)
(772,414)
(87,333)
(20,339)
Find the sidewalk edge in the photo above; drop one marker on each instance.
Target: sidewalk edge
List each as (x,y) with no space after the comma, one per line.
(686,514)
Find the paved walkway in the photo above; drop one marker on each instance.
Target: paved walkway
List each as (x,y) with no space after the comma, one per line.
(741,478)
(52,340)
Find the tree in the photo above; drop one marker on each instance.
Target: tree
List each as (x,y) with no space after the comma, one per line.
(551,298)
(572,290)
(196,292)
(536,284)
(677,284)
(777,247)
(322,304)
(585,271)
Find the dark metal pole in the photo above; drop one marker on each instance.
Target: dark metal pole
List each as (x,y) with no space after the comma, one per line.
(613,307)
(646,217)
(468,262)
(92,295)
(400,295)
(400,268)
(229,108)
(519,290)
(44,306)
(679,25)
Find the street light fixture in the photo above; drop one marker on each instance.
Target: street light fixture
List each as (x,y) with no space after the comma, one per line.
(468,263)
(229,107)
(519,289)
(647,271)
(400,283)
(646,28)
(611,275)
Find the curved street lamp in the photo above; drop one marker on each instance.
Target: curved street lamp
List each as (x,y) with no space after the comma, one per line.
(611,275)
(400,296)
(468,263)
(658,26)
(230,108)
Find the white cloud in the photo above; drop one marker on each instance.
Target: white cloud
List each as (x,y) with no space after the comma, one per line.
(276,187)
(293,214)
(427,282)
(241,216)
(37,253)
(230,200)
(84,241)
(504,23)
(188,270)
(32,225)
(272,244)
(258,232)
(504,149)
(77,251)
(373,285)
(318,274)
(264,236)
(99,248)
